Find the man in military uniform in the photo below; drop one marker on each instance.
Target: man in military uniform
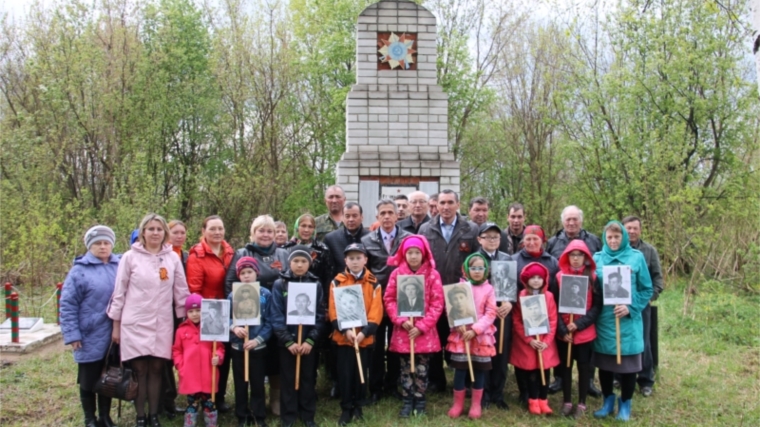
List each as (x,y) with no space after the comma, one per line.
(335,198)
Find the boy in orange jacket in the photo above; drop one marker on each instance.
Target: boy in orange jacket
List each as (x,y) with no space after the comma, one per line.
(352,392)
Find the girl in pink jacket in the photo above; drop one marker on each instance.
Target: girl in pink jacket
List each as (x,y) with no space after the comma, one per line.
(414,258)
(194,359)
(479,335)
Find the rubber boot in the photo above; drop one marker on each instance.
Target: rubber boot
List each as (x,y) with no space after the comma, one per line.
(545,408)
(211,418)
(419,406)
(408,406)
(88,407)
(458,406)
(533,407)
(624,410)
(475,409)
(607,407)
(274,394)
(104,412)
(191,419)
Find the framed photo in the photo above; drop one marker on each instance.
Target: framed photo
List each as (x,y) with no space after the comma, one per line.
(534,315)
(573,294)
(349,306)
(410,295)
(617,284)
(504,280)
(460,304)
(246,303)
(215,320)
(302,304)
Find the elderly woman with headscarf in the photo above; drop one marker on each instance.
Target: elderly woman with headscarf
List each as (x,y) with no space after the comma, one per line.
(618,251)
(150,279)
(84,324)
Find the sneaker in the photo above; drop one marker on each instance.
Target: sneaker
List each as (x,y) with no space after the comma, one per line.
(567,409)
(646,391)
(580,411)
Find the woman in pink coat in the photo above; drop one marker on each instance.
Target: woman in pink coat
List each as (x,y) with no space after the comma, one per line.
(414,258)
(479,334)
(194,360)
(149,280)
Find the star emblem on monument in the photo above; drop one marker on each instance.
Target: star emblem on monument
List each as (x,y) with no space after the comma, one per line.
(396,51)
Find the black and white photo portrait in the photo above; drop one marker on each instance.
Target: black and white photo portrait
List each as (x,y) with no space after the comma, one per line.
(534,315)
(302,301)
(349,307)
(504,280)
(246,303)
(573,294)
(460,304)
(411,296)
(617,284)
(215,320)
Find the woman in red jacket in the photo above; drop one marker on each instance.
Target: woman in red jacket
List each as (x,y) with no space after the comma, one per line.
(194,360)
(526,347)
(206,268)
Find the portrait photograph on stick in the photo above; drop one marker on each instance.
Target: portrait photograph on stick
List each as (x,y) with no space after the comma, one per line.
(411,296)
(246,304)
(460,304)
(349,307)
(215,315)
(302,301)
(535,315)
(573,294)
(504,280)
(617,284)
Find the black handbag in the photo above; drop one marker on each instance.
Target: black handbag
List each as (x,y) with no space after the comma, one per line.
(116,381)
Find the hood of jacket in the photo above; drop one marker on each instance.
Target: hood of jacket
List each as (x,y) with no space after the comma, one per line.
(575,245)
(166,249)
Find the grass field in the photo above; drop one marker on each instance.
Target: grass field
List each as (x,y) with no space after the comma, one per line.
(709,375)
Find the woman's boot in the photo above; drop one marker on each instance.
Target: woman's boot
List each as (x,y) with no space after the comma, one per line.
(624,410)
(458,406)
(88,407)
(475,409)
(607,407)
(104,412)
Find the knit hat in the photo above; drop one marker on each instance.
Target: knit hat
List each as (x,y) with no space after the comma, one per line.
(300,251)
(537,230)
(534,269)
(246,262)
(99,233)
(193,301)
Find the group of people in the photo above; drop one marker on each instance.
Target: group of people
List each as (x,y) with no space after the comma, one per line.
(148,299)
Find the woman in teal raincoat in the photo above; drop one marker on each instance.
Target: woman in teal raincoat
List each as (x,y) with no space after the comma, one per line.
(618,251)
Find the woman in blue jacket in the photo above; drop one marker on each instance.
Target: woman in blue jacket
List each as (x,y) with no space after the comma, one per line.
(618,251)
(84,323)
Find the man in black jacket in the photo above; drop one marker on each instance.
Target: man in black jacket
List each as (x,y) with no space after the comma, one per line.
(380,244)
(419,214)
(452,239)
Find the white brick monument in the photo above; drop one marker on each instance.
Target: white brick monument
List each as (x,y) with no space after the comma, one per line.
(396,113)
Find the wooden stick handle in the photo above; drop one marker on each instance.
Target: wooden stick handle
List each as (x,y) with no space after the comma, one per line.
(501,333)
(298,358)
(570,346)
(359,361)
(411,347)
(245,354)
(213,374)
(617,339)
(541,363)
(469,360)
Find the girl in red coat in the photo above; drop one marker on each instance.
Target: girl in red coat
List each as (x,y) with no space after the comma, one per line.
(525,348)
(576,260)
(479,336)
(194,360)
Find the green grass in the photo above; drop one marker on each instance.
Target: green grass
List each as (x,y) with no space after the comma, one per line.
(709,374)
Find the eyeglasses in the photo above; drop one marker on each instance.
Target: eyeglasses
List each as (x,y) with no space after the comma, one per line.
(477,269)
(491,238)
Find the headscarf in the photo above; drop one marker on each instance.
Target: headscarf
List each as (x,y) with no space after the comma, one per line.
(537,230)
(625,244)
(298,222)
(413,241)
(466,268)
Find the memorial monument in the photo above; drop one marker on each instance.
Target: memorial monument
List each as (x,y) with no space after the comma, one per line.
(396,113)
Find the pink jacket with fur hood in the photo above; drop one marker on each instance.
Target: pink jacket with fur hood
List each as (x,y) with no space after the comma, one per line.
(485,308)
(428,342)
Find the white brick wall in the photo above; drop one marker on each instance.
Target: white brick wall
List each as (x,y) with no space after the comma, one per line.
(396,120)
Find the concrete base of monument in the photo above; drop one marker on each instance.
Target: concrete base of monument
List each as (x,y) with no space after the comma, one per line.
(30,342)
